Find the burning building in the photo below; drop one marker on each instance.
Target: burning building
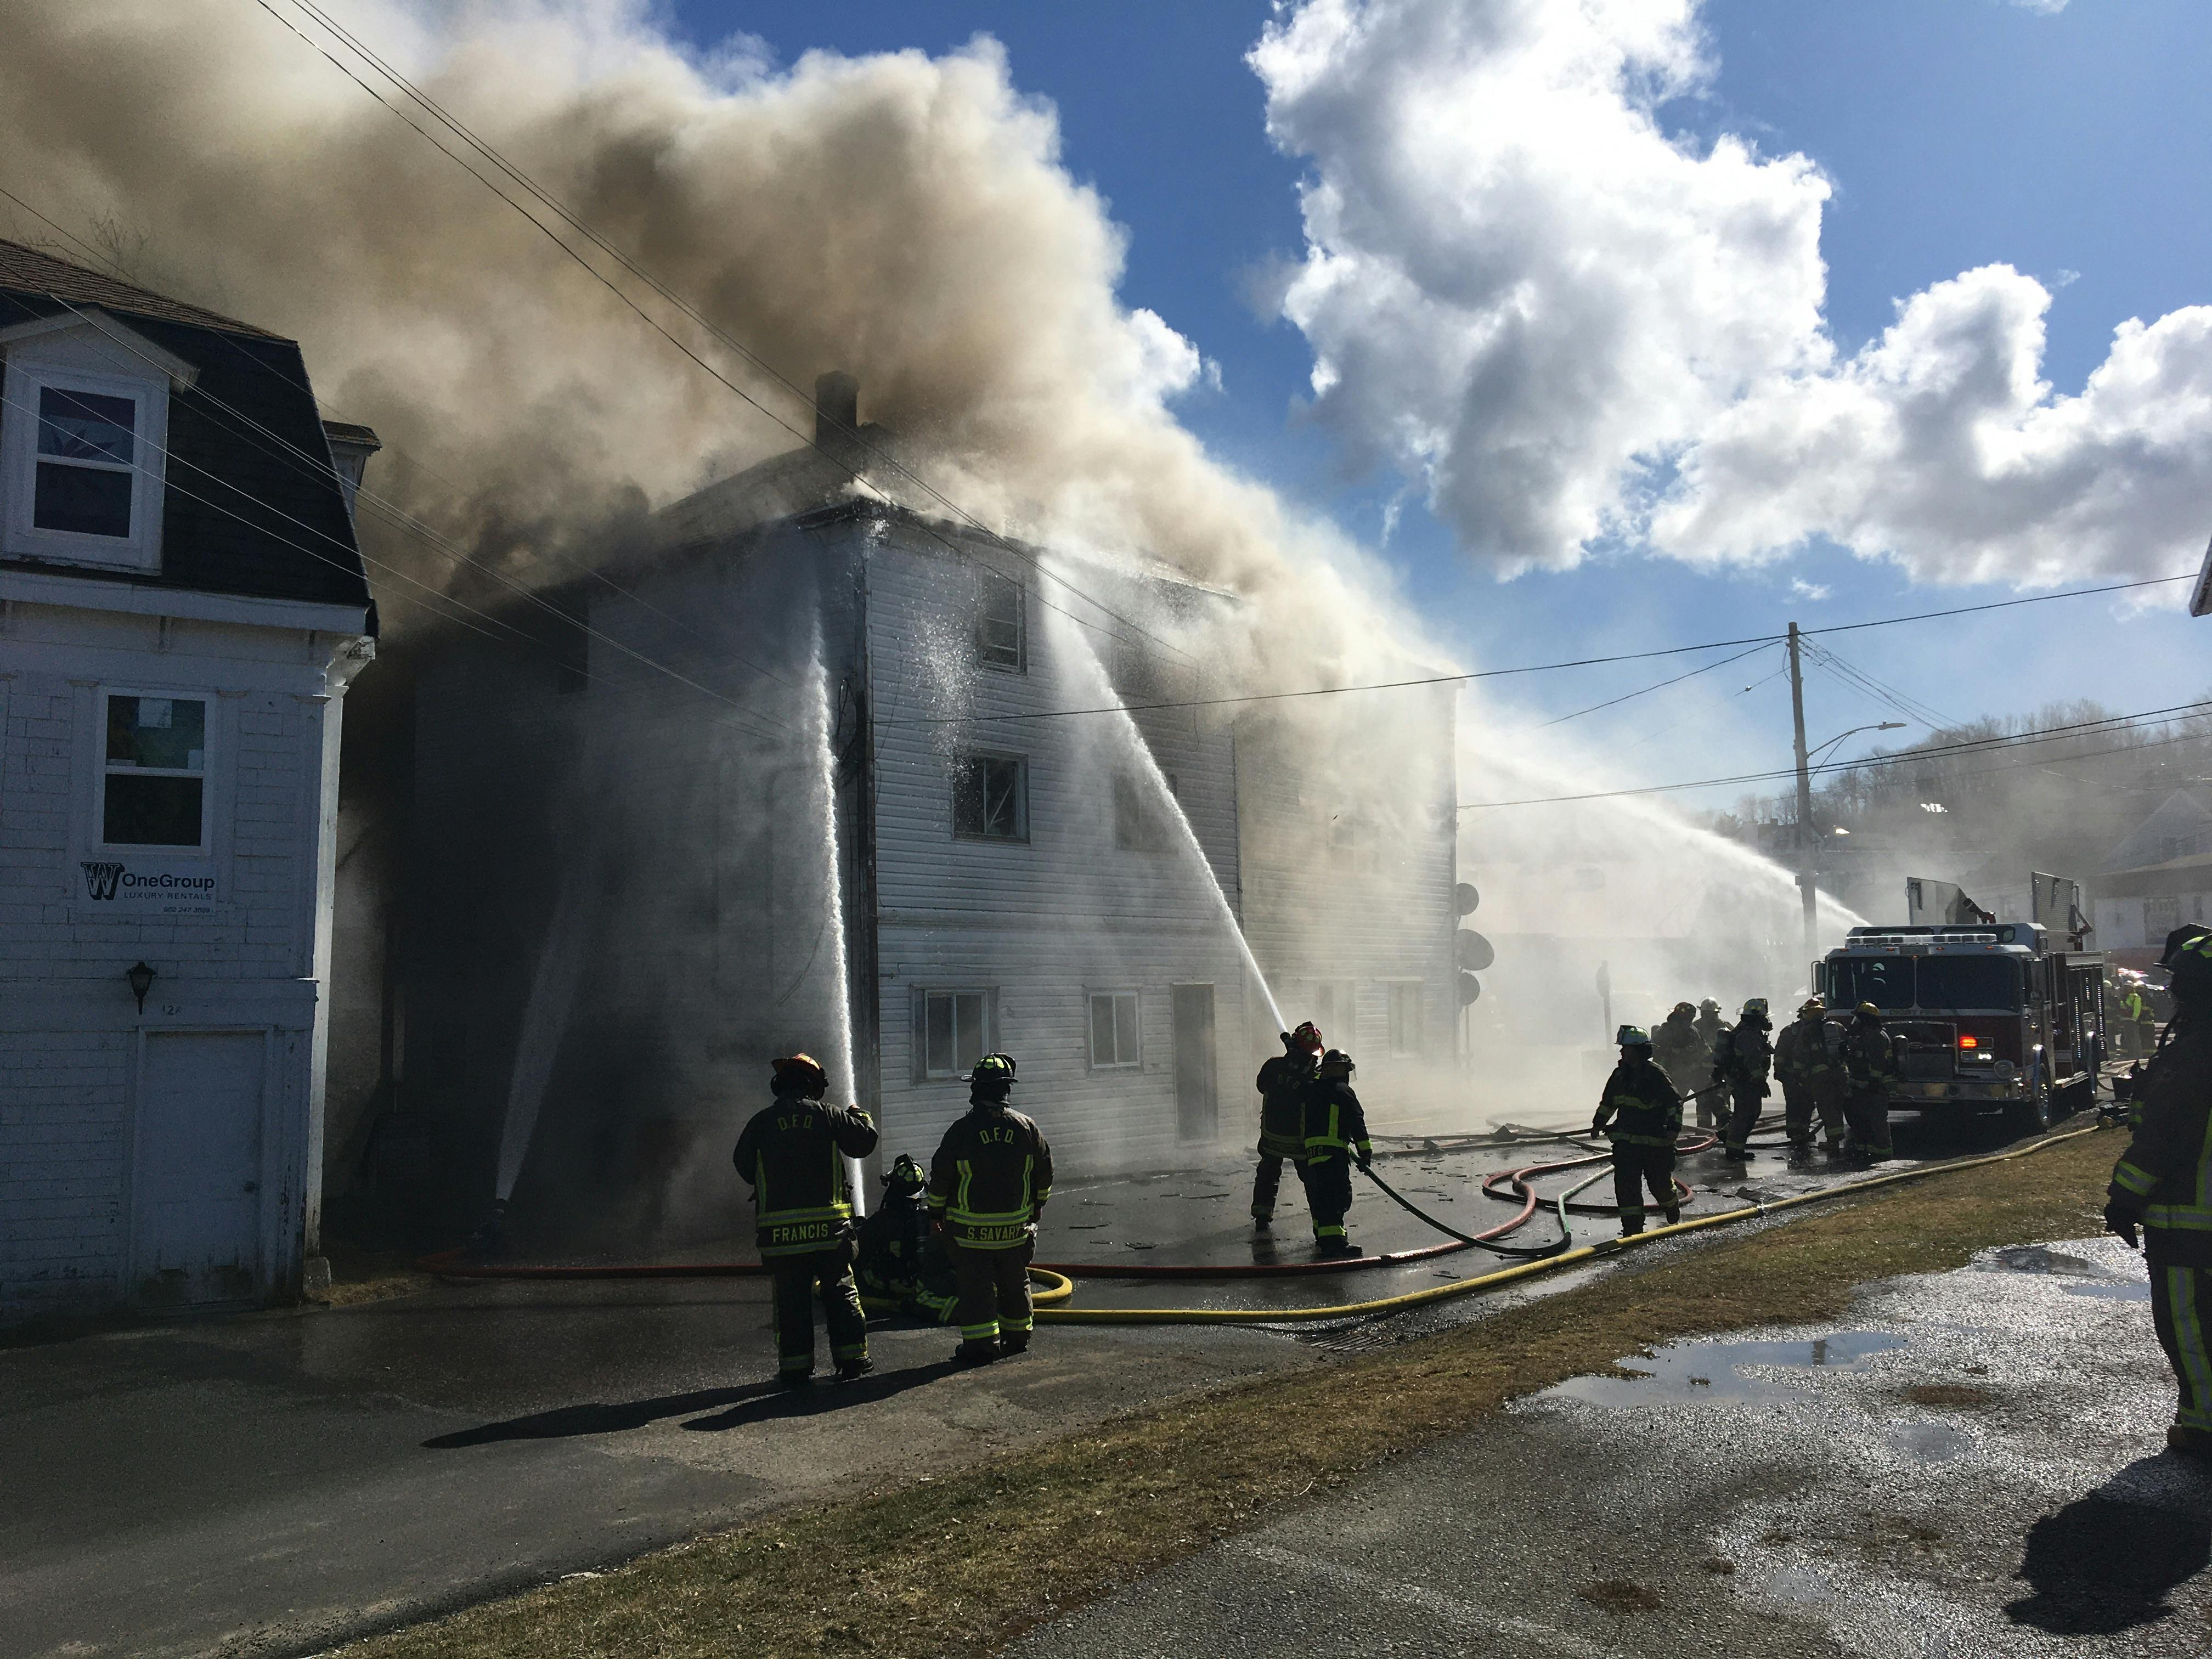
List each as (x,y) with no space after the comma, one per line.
(802,768)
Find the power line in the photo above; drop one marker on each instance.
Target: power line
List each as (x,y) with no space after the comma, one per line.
(1647,690)
(805,437)
(2018,740)
(1542,667)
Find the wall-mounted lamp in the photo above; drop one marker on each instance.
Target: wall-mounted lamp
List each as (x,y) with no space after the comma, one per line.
(142,981)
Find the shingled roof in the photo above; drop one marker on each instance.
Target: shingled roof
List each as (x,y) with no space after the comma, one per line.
(252,505)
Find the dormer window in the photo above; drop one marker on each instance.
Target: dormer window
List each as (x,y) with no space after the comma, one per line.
(83,441)
(87,443)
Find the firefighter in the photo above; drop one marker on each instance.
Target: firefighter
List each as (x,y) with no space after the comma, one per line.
(1685,1057)
(2145,1015)
(1742,1062)
(792,1155)
(1710,1023)
(1870,1073)
(1641,1113)
(1710,1089)
(2164,1186)
(1812,1080)
(902,1259)
(987,1187)
(1336,1137)
(1281,1084)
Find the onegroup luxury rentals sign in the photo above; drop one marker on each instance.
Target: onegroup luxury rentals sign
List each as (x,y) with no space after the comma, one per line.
(162,887)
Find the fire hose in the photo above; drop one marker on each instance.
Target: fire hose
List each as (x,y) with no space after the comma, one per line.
(1058,1287)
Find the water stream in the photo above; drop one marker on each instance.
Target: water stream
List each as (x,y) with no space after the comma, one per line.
(843,1084)
(1093,688)
(545,1017)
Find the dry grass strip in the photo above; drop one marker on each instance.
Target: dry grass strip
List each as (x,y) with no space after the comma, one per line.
(960,1564)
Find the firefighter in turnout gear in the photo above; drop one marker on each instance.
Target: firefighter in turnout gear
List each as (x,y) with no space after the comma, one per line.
(2164,1186)
(1281,1083)
(1336,1135)
(1708,1091)
(1812,1078)
(902,1259)
(987,1186)
(1870,1073)
(1740,1064)
(1641,1113)
(1685,1057)
(792,1155)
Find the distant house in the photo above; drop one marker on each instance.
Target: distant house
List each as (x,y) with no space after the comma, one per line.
(181,607)
(2159,877)
(797,770)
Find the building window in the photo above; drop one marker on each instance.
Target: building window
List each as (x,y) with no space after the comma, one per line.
(1405,1018)
(1001,638)
(154,785)
(86,446)
(1140,822)
(1335,1010)
(1352,844)
(1114,1030)
(2160,917)
(990,798)
(954,1037)
(81,472)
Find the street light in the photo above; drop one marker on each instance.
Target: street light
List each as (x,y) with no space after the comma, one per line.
(1886,725)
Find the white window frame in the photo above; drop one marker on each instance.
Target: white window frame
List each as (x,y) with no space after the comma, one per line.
(26,376)
(1412,991)
(986,1016)
(1129,1042)
(105,768)
(961,762)
(1340,1025)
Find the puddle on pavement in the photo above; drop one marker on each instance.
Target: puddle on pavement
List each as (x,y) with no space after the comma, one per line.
(1926,1443)
(1713,1370)
(2121,1290)
(2042,1259)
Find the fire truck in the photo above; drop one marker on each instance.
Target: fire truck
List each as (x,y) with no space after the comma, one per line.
(2005,1016)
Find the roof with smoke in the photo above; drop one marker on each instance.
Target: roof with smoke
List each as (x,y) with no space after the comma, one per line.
(251,503)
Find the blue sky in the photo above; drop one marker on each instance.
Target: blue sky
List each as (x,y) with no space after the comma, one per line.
(1955,133)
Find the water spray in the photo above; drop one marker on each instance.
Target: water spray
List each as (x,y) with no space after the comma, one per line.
(544,1020)
(1097,690)
(843,1084)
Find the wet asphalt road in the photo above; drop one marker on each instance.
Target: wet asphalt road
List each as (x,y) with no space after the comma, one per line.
(272,1484)
(1973,1466)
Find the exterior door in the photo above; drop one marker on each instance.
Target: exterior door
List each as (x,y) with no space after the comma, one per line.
(1197,1099)
(197,1188)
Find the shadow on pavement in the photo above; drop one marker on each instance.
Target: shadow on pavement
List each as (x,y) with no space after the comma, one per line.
(2106,1563)
(753,1403)
(825,1397)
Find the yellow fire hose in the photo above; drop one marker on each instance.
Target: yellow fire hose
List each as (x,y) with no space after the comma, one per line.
(1062,1289)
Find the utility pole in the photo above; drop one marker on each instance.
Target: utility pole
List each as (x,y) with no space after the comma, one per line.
(1804,803)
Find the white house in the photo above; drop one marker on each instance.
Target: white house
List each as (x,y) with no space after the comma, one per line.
(181,606)
(2159,877)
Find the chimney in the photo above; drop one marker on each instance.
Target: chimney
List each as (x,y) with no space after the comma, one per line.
(350,448)
(837,416)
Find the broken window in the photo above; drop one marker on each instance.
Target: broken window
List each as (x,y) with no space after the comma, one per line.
(990,798)
(1001,640)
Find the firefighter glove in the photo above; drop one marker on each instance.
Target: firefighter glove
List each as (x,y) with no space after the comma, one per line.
(2122,1223)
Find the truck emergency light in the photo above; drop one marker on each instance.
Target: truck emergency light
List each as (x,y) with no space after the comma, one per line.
(1970,1042)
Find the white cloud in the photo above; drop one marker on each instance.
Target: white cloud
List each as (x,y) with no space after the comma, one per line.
(2046,8)
(1813,592)
(1567,322)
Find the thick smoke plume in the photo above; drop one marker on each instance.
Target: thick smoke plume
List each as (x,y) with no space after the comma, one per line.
(902,217)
